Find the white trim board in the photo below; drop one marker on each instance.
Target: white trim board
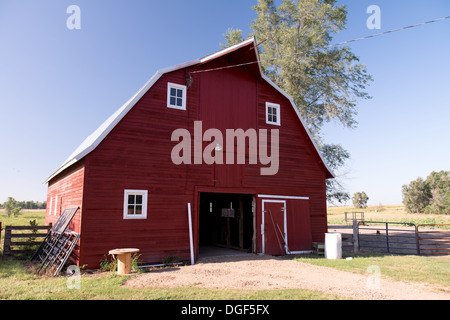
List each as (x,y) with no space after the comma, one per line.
(284,222)
(281,197)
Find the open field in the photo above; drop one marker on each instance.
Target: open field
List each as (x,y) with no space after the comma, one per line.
(22,219)
(392,213)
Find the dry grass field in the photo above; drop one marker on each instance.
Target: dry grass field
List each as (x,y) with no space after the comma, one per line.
(392,213)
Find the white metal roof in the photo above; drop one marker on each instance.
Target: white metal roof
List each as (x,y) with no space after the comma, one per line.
(93,140)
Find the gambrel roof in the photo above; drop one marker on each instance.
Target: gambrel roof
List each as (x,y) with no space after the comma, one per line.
(93,140)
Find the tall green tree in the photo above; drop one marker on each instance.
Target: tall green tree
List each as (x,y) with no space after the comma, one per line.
(360,200)
(324,81)
(431,195)
(439,185)
(416,196)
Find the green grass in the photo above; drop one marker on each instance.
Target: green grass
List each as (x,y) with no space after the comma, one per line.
(16,283)
(23,218)
(432,270)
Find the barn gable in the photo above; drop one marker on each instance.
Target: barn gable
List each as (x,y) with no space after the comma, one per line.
(93,140)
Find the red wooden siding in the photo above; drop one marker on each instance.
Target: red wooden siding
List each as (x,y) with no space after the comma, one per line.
(298,225)
(136,154)
(67,191)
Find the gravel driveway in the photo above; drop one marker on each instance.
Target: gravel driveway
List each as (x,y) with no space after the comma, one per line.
(262,272)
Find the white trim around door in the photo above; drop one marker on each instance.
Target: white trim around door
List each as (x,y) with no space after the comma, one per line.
(262,224)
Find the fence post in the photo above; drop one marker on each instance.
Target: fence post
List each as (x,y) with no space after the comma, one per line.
(355,236)
(417,240)
(7,244)
(387,237)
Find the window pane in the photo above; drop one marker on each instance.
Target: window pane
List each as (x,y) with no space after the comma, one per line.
(173,92)
(172,101)
(179,102)
(138,209)
(138,199)
(130,209)
(179,93)
(269,118)
(131,199)
(274,118)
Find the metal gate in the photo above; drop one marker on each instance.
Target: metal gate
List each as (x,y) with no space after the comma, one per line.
(387,237)
(432,241)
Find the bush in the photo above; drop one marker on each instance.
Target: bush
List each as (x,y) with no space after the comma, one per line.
(12,207)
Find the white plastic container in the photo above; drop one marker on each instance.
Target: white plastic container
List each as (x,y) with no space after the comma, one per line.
(333,246)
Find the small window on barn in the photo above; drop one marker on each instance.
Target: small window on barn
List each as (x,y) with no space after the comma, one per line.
(135,204)
(273,113)
(176,96)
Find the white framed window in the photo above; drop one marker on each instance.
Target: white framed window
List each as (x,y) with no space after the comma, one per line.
(135,204)
(273,113)
(176,96)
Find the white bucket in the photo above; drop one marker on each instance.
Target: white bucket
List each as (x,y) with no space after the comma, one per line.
(333,246)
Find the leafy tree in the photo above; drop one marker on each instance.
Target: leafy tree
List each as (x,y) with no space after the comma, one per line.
(429,196)
(12,207)
(335,157)
(439,184)
(360,200)
(324,81)
(232,37)
(416,196)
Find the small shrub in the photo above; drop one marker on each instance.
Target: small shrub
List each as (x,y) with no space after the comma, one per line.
(108,264)
(171,259)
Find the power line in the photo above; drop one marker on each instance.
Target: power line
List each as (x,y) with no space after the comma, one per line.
(336,44)
(390,31)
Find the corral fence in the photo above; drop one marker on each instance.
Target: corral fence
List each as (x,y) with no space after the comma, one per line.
(394,238)
(21,241)
(352,216)
(432,241)
(387,237)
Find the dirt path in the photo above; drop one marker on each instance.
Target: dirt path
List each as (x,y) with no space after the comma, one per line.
(266,272)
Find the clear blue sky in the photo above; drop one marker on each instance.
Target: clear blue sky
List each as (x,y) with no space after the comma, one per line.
(58,85)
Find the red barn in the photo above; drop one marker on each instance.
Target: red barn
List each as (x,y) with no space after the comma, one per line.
(213,137)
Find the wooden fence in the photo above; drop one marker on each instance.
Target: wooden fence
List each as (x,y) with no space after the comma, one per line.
(22,241)
(433,241)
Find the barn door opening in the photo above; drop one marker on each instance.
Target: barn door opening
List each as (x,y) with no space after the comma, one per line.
(226,221)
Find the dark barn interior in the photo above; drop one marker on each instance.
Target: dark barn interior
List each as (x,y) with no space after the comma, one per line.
(226,221)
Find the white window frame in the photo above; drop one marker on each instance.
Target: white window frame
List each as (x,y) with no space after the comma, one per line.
(50,207)
(144,194)
(277,107)
(171,85)
(56,205)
